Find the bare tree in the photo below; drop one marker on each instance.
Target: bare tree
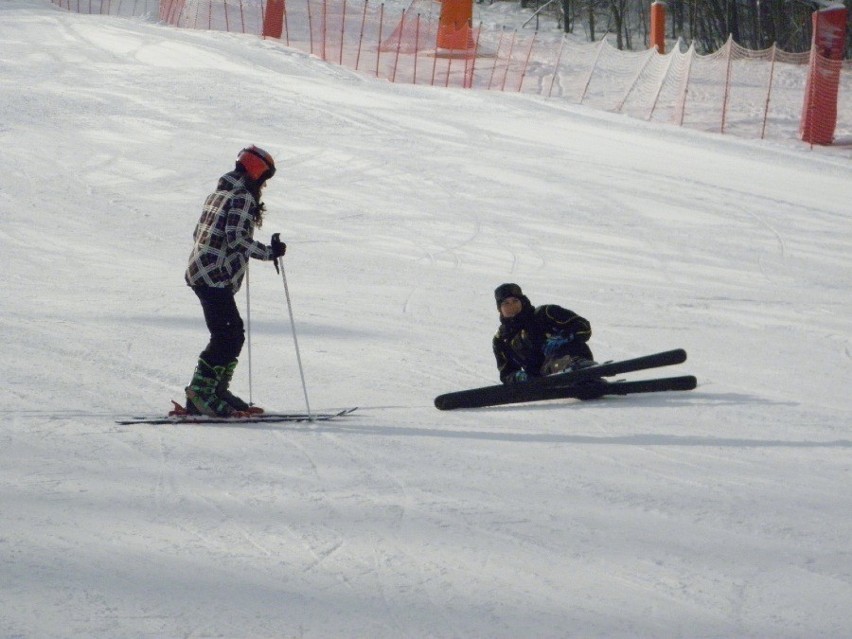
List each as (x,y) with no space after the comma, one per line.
(618,11)
(568,16)
(591,14)
(755,24)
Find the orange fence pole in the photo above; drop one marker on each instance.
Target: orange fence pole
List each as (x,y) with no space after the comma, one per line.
(361,37)
(324,28)
(819,112)
(273,19)
(379,38)
(398,46)
(526,62)
(509,59)
(342,32)
(658,26)
(496,57)
(727,94)
(416,48)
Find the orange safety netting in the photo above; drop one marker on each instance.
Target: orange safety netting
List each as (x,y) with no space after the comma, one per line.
(733,90)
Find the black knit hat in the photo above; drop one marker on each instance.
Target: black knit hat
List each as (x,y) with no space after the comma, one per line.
(505,291)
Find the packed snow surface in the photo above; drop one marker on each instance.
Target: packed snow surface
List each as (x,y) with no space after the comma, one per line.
(721,512)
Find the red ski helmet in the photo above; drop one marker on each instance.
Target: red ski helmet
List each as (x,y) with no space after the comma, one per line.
(257,163)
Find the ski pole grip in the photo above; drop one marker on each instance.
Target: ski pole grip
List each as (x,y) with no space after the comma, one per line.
(276,240)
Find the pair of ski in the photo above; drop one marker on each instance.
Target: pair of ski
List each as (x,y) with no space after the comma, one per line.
(584,383)
(176,417)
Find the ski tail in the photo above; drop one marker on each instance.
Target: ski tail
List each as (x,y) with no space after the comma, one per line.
(594,389)
(681,383)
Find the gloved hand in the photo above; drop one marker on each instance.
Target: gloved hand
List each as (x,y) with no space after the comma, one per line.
(554,343)
(278,247)
(520,376)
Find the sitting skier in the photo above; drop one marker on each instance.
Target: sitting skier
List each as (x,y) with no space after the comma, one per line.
(223,244)
(537,341)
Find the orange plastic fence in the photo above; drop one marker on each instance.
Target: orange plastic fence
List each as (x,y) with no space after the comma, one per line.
(733,90)
(126,8)
(819,113)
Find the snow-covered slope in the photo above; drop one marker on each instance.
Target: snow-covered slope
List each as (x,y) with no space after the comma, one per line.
(724,512)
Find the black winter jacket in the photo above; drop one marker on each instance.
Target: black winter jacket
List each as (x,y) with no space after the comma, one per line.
(520,340)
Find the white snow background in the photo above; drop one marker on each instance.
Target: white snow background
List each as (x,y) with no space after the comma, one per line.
(721,512)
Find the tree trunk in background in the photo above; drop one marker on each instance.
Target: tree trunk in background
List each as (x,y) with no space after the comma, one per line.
(754,24)
(591,21)
(568,19)
(693,19)
(733,22)
(678,16)
(617,10)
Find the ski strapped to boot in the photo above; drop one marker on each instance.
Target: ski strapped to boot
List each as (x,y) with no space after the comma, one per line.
(201,395)
(179,415)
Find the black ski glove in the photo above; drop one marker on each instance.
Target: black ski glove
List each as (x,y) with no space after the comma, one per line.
(278,247)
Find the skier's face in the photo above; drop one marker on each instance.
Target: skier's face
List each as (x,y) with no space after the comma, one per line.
(510,307)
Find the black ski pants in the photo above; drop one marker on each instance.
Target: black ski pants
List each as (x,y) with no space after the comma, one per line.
(227,333)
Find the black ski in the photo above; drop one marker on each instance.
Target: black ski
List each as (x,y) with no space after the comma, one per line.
(260,418)
(593,389)
(505,393)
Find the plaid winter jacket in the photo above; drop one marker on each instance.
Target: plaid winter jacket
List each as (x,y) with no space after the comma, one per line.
(223,236)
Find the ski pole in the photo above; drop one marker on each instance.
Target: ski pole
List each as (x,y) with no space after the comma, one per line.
(279,262)
(248,332)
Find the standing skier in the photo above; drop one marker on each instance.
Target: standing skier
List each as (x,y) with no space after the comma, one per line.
(533,342)
(223,245)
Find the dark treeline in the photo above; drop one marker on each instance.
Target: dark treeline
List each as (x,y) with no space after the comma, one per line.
(754,24)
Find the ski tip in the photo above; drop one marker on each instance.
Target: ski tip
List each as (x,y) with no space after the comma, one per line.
(674,356)
(442,403)
(678,354)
